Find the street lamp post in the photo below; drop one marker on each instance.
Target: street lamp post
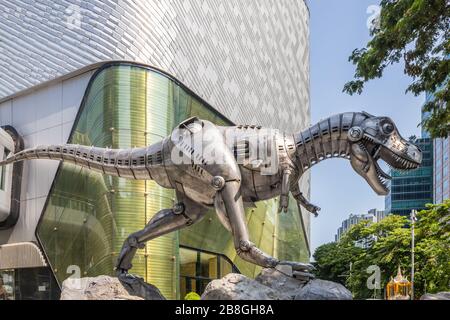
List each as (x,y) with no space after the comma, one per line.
(413,219)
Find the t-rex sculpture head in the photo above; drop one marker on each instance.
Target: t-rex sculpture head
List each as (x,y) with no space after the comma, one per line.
(378,138)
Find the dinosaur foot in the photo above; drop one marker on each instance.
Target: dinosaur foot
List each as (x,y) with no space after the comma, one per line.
(298,270)
(127,278)
(138,287)
(298,266)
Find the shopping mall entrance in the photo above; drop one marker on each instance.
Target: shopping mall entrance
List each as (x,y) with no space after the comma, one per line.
(198,268)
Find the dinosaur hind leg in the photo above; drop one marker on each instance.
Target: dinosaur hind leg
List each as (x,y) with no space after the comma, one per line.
(183,214)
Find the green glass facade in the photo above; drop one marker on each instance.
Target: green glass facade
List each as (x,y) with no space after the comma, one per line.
(412,189)
(88,215)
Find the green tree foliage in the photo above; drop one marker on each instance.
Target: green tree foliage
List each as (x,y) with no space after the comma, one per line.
(389,246)
(433,248)
(335,267)
(419,32)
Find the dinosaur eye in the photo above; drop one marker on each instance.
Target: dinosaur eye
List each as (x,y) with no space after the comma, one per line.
(388,128)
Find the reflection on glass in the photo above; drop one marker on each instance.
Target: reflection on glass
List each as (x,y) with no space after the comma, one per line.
(6,284)
(28,284)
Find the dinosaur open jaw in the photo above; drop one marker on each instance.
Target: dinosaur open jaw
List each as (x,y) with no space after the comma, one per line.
(383,177)
(401,163)
(393,160)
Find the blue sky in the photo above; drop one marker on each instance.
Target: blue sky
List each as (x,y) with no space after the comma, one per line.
(338,27)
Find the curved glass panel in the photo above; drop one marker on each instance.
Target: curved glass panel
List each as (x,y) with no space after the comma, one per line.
(88,215)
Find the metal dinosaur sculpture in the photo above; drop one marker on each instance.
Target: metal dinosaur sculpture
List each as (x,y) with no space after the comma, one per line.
(227,168)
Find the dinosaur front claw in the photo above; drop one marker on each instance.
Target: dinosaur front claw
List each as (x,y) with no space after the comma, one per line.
(298,270)
(313,209)
(126,277)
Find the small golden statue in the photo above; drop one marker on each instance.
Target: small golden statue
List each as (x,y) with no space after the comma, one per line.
(399,288)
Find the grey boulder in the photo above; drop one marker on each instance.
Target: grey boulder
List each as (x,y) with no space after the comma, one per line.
(238,287)
(281,282)
(323,290)
(436,296)
(273,284)
(108,288)
(270,284)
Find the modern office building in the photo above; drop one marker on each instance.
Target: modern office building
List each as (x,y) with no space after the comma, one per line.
(441,169)
(412,190)
(441,165)
(122,74)
(378,214)
(373,216)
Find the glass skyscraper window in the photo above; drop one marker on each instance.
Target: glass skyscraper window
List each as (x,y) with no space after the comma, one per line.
(412,189)
(441,166)
(441,169)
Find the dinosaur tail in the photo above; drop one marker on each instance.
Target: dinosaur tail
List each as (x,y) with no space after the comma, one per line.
(127,163)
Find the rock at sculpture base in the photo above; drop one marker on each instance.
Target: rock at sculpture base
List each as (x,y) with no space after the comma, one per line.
(323,290)
(279,281)
(272,284)
(436,296)
(238,287)
(105,288)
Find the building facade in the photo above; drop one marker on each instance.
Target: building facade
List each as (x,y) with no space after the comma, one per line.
(441,169)
(240,56)
(68,73)
(378,214)
(373,216)
(412,190)
(441,165)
